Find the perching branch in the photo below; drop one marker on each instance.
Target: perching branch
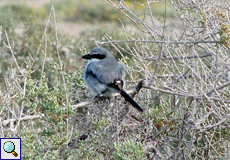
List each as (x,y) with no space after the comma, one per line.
(132,92)
(5,122)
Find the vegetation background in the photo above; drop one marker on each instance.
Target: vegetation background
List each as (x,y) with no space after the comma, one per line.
(179,48)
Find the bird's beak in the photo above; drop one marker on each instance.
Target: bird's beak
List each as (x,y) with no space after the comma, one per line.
(87,56)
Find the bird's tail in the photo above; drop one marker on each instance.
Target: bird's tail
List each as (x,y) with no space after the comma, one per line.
(131,101)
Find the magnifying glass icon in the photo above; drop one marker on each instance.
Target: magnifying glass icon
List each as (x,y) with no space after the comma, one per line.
(9,147)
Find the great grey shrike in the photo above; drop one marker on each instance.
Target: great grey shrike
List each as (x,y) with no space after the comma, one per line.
(104,75)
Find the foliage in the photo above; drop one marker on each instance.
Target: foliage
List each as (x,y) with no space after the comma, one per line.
(224,30)
(25,40)
(100,12)
(128,150)
(84,12)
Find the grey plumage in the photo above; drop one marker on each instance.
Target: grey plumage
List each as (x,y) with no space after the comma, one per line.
(104,75)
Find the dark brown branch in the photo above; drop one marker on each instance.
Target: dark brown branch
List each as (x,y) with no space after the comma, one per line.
(167,76)
(218,88)
(189,57)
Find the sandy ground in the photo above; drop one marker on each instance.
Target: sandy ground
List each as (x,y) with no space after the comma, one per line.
(69,28)
(29,2)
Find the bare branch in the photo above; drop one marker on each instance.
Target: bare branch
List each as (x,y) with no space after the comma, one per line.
(166,42)
(5,122)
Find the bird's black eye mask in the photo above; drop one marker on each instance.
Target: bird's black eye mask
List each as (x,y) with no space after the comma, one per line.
(97,56)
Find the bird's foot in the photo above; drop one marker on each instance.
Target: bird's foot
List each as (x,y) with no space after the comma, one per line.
(98,98)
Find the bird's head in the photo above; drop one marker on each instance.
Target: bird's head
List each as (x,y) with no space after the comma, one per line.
(98,53)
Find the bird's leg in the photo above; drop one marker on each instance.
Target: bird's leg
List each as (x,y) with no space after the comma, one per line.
(98,98)
(109,99)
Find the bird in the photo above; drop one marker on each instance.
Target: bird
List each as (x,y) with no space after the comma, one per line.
(104,75)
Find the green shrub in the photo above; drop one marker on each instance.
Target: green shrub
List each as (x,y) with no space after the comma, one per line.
(97,11)
(128,150)
(25,29)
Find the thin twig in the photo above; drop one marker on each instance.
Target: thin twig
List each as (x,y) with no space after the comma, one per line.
(166,42)
(8,45)
(218,88)
(183,94)
(185,57)
(61,66)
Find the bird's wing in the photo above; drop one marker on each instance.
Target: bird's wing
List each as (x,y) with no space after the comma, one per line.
(121,69)
(95,85)
(105,76)
(107,72)
(101,78)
